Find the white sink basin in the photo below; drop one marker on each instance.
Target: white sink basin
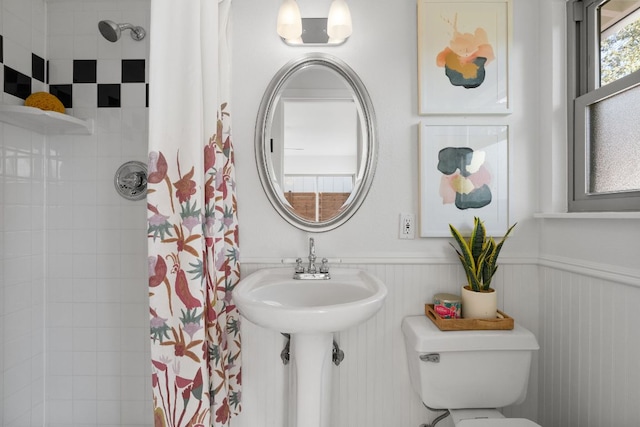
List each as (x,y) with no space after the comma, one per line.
(311,311)
(272,299)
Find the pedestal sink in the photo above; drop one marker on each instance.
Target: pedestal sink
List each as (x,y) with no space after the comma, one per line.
(311,311)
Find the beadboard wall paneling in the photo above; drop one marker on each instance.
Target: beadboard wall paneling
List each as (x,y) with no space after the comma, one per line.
(590,350)
(371,387)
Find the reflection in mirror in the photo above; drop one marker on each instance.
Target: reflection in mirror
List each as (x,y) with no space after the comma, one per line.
(315,145)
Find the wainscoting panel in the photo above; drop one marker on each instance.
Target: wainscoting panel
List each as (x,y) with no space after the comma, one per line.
(590,375)
(371,387)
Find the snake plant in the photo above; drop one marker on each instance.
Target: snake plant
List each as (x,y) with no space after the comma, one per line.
(478,255)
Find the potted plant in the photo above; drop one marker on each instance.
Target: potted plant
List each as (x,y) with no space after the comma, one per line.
(479,256)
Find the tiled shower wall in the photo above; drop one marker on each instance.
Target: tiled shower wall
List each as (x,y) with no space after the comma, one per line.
(22,219)
(97,312)
(73,280)
(22,227)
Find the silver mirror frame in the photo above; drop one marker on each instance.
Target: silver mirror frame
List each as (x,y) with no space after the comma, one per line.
(263,123)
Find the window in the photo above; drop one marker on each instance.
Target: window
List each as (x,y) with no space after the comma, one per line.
(604,100)
(318,197)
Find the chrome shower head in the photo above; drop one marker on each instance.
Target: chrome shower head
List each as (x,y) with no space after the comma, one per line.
(112,31)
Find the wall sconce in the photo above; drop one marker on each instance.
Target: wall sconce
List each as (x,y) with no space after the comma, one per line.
(297,31)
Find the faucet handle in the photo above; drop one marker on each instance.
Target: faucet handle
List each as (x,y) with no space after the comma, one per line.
(324,268)
(299,267)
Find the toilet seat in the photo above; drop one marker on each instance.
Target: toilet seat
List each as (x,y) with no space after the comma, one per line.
(497,422)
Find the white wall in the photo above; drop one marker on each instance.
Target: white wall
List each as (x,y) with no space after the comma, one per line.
(589,279)
(73,294)
(569,253)
(22,277)
(22,259)
(372,388)
(382,50)
(98,370)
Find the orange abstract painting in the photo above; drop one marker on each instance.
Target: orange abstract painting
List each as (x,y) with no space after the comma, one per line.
(465,57)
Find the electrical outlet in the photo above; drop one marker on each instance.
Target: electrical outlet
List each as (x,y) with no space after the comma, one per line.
(407,226)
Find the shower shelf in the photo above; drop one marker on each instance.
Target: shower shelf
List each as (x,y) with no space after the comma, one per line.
(44,122)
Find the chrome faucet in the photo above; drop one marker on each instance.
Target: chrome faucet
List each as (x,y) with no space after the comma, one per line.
(311,273)
(312,256)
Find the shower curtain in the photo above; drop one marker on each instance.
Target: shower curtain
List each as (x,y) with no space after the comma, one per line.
(192,220)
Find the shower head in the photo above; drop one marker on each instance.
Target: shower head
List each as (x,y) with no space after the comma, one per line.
(112,31)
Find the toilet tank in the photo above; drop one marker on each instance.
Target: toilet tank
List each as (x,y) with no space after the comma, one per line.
(468,369)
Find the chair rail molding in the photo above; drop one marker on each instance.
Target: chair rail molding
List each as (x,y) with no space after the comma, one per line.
(626,276)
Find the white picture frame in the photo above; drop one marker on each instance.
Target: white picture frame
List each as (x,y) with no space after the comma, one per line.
(464,173)
(464,56)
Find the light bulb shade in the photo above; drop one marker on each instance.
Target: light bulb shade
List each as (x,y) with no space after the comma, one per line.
(339,21)
(289,20)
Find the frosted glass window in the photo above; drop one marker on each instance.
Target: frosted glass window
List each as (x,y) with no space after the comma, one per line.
(614,159)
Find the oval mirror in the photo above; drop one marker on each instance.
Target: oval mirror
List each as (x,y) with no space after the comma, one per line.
(316,142)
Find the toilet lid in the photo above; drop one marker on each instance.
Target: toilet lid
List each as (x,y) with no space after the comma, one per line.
(497,422)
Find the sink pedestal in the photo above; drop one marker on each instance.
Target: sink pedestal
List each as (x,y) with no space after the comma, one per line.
(311,355)
(311,311)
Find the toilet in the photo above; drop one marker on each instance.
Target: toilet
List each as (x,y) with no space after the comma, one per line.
(469,373)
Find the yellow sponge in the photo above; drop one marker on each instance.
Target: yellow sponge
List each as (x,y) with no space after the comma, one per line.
(44,101)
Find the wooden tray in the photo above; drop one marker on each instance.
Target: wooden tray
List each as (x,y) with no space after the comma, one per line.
(501,322)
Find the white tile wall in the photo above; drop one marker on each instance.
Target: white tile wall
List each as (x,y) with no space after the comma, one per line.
(97,294)
(22,276)
(22,239)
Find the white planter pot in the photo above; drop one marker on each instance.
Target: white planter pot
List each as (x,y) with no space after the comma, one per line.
(479,305)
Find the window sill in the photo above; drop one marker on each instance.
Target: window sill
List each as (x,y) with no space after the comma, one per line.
(587,215)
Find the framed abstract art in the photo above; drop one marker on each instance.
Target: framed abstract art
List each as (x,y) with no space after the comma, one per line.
(464,56)
(464,173)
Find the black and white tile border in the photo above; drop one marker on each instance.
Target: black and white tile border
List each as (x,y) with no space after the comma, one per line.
(109,94)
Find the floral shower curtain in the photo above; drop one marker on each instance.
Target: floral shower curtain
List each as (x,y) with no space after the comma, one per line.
(192,221)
